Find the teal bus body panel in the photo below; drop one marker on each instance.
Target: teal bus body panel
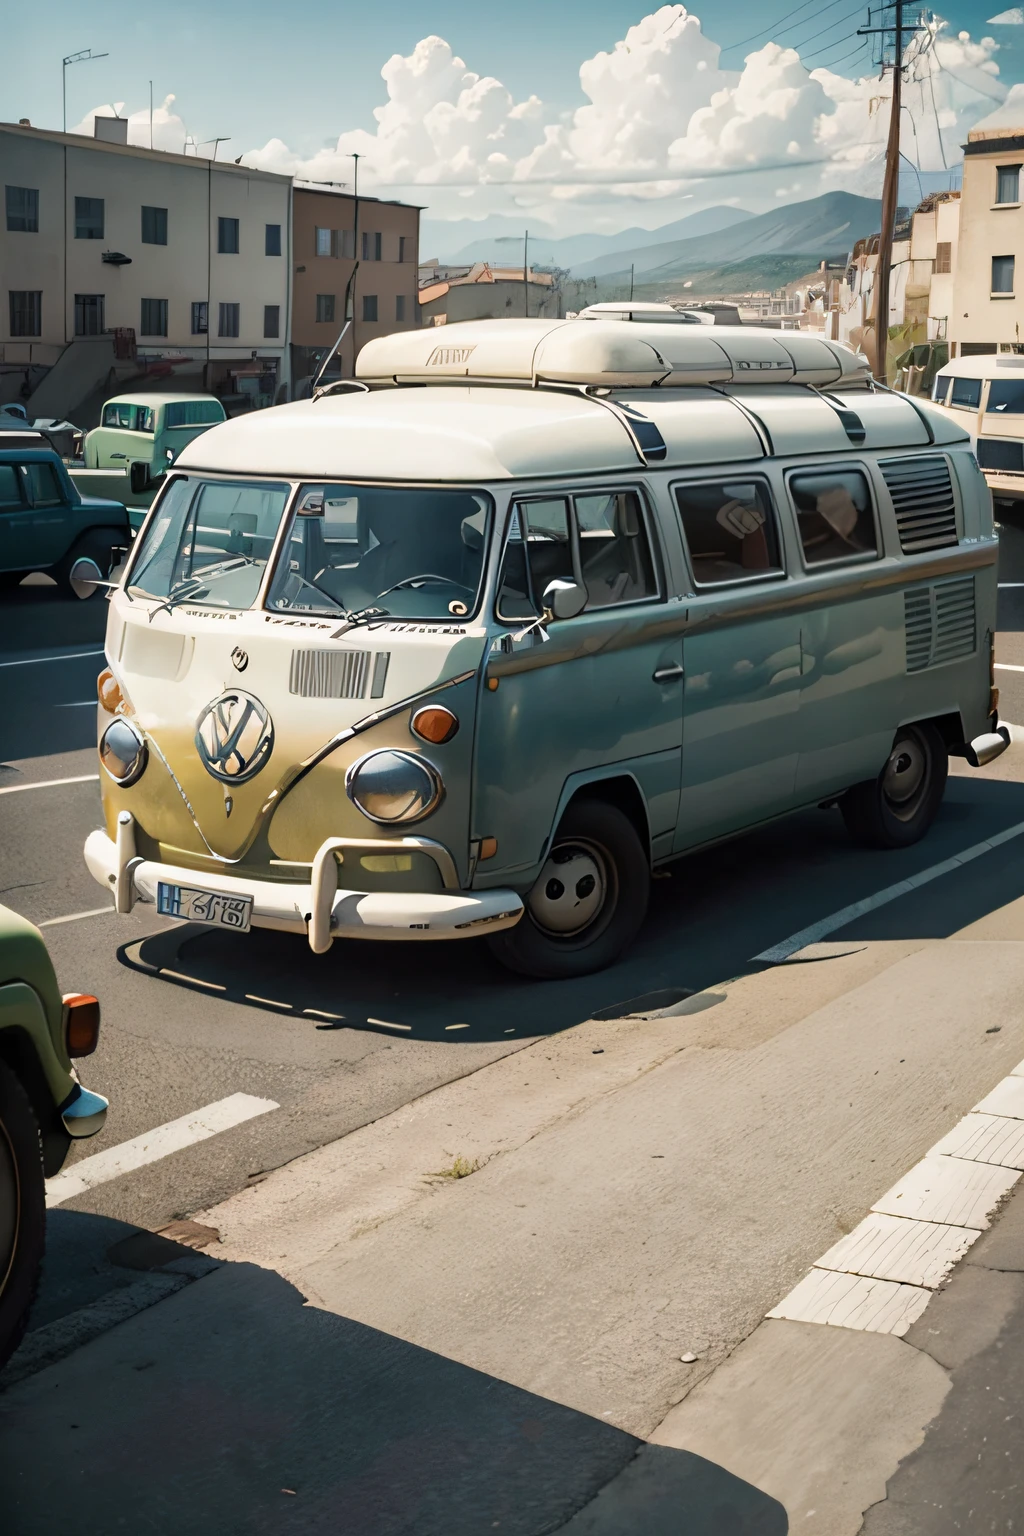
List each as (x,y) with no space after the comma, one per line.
(852,689)
(740,708)
(584,699)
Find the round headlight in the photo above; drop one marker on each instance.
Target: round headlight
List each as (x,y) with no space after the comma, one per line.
(122,752)
(393,786)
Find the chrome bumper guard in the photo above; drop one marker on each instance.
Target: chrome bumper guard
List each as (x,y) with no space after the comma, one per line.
(986,748)
(321,909)
(84,1113)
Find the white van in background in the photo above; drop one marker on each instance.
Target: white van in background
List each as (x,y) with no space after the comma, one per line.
(985,395)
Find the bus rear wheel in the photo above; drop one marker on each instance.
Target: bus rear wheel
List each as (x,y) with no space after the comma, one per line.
(898,807)
(589,901)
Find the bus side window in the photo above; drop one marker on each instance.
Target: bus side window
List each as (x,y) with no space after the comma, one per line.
(539,550)
(834,516)
(729,528)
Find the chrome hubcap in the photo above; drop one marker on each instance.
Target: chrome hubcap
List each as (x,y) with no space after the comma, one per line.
(571,891)
(905,776)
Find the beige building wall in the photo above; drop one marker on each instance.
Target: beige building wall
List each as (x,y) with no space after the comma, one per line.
(388,280)
(196,193)
(988,229)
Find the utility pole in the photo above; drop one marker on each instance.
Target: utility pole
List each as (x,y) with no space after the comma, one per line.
(897,28)
(631,266)
(526,275)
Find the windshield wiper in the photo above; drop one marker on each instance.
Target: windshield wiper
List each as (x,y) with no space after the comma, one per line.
(360,616)
(190,586)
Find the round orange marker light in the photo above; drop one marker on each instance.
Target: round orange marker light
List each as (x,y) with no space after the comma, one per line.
(81,1023)
(435,724)
(108,691)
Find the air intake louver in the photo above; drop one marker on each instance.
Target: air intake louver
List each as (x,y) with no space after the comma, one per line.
(922,496)
(338,674)
(940,622)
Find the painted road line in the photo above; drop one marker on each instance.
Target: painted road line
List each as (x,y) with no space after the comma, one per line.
(74,917)
(155,1144)
(77,704)
(81,778)
(35,661)
(1006,666)
(826,925)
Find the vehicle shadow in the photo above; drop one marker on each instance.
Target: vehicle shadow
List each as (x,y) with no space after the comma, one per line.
(233,1407)
(44,708)
(708,917)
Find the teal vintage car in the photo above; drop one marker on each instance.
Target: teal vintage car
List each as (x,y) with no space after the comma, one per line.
(43,1106)
(47,525)
(474,645)
(149,429)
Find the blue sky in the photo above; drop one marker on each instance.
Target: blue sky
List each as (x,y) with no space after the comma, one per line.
(305,74)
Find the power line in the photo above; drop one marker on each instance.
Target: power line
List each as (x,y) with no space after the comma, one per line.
(830,28)
(834,62)
(772,26)
(837,42)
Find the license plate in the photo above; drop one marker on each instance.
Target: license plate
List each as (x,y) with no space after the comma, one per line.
(196,906)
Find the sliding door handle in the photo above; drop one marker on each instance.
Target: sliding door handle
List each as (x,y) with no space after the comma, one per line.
(668,674)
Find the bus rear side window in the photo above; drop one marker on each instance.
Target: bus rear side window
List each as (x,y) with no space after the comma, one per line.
(833,513)
(966,393)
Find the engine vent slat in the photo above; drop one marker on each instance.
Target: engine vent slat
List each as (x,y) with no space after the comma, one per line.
(923,500)
(940,622)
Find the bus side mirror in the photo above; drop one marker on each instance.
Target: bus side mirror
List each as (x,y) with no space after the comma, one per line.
(563,599)
(138,476)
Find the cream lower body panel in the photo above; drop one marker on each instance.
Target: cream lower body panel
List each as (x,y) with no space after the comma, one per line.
(1005,484)
(288,906)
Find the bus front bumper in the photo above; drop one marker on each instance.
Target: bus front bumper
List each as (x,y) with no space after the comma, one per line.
(319,909)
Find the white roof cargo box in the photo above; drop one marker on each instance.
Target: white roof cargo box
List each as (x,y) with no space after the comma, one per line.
(608,353)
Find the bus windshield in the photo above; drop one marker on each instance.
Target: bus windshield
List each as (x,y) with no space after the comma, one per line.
(409,553)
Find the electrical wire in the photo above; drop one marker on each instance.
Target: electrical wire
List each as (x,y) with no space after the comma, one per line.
(773,25)
(830,28)
(834,62)
(837,42)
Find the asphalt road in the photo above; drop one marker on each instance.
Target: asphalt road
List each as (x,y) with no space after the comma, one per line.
(192,1016)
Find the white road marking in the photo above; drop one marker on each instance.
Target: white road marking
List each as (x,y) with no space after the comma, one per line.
(950,1190)
(1006,1098)
(34,661)
(77,704)
(81,778)
(845,915)
(1011,584)
(884,1247)
(74,917)
(853,1301)
(154,1145)
(1006,666)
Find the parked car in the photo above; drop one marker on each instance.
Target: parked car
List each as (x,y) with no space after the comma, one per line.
(149,429)
(985,396)
(43,1106)
(47,525)
(473,650)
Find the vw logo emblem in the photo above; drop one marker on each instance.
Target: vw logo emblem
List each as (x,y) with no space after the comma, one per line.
(234,737)
(239,659)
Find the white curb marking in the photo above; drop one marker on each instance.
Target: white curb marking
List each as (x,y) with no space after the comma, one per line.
(827,925)
(949,1190)
(1006,1098)
(986,1139)
(81,778)
(853,1301)
(153,1145)
(883,1247)
(74,917)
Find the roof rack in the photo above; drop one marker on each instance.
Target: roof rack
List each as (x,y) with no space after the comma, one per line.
(606,353)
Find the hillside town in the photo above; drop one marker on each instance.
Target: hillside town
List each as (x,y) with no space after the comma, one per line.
(511,771)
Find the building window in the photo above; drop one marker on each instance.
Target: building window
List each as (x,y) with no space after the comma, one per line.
(227,237)
(400,308)
(324,307)
(26,312)
(227,324)
(326,242)
(1002,274)
(89,314)
(23,210)
(272,320)
(88,218)
(944,256)
(200,317)
(1007,183)
(272,245)
(401,247)
(154,317)
(154,226)
(369,306)
(371,246)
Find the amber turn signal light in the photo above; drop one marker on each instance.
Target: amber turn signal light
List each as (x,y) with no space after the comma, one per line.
(81,1023)
(434,723)
(488,847)
(108,691)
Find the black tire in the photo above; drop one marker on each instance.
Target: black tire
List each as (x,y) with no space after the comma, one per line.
(90,558)
(610,894)
(898,807)
(22,1210)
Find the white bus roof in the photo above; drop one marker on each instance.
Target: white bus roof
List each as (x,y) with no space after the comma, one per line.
(596,353)
(461,433)
(988,365)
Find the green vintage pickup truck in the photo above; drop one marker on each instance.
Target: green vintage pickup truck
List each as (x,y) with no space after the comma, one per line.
(43,1106)
(47,525)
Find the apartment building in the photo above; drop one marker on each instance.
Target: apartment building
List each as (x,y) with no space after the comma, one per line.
(987,310)
(483,292)
(329,230)
(178,263)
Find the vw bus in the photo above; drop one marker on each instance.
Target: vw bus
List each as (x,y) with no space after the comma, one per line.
(985,395)
(149,429)
(473,645)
